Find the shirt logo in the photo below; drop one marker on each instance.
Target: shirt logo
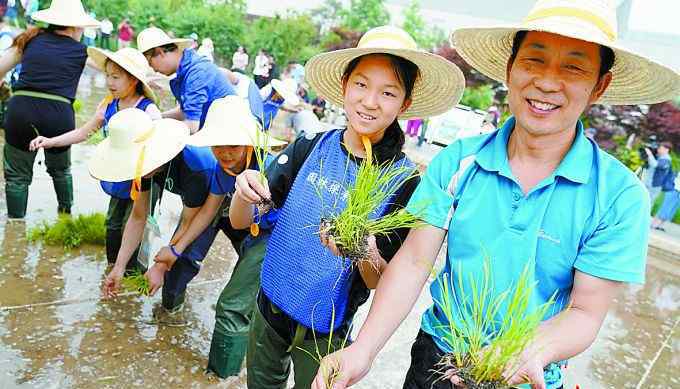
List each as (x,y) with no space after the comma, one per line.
(543,235)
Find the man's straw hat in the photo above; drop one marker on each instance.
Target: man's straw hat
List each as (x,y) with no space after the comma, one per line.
(136,145)
(438,88)
(287,89)
(131,60)
(67,13)
(230,123)
(636,79)
(155,37)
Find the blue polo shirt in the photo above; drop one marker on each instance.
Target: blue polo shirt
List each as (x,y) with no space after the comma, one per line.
(591,215)
(198,83)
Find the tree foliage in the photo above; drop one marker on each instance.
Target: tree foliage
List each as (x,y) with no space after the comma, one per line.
(362,15)
(287,37)
(426,37)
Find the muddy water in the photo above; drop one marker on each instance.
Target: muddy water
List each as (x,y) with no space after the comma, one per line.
(56,332)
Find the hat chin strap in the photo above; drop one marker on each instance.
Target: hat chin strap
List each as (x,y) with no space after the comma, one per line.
(249,157)
(139,168)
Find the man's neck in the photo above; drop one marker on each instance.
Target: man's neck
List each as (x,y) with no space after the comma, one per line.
(532,158)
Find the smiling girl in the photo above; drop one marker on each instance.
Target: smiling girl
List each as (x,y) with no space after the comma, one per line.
(309,295)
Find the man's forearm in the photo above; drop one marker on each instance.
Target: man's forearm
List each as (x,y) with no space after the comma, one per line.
(399,287)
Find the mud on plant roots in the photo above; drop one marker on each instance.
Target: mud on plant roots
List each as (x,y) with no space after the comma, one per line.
(448,365)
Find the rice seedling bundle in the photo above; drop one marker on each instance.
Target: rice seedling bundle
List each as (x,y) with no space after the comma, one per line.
(136,282)
(483,346)
(71,232)
(373,186)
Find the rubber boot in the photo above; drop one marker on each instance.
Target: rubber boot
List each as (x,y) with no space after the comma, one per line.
(227,354)
(59,168)
(17,201)
(18,169)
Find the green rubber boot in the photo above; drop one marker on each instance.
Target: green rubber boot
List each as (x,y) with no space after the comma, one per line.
(227,354)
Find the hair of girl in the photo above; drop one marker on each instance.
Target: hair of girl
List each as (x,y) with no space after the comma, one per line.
(406,72)
(22,39)
(139,87)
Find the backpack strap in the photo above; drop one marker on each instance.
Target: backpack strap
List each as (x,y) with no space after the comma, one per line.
(453,183)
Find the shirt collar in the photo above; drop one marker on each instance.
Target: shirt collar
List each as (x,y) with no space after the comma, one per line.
(575,166)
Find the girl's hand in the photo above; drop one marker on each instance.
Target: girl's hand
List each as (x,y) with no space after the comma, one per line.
(327,240)
(40,142)
(100,113)
(112,282)
(250,188)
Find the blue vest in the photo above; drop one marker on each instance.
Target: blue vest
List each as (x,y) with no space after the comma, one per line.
(120,190)
(299,275)
(269,110)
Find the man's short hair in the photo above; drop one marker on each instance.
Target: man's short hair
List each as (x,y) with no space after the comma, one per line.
(607,55)
(666,144)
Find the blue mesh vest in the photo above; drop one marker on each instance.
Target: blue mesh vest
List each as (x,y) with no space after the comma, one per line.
(299,275)
(119,190)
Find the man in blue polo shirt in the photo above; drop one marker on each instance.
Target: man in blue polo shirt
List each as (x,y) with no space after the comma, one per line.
(198,81)
(536,193)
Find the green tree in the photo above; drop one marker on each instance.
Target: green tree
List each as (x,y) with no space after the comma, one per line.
(363,15)
(287,37)
(480,97)
(426,37)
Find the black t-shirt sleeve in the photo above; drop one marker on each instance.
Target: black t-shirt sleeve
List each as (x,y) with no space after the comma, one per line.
(282,171)
(389,244)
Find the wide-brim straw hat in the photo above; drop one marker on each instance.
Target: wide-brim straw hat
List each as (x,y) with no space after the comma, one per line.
(155,37)
(131,60)
(287,88)
(66,13)
(437,89)
(635,78)
(136,145)
(229,122)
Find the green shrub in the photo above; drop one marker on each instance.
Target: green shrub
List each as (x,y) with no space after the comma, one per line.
(71,232)
(480,97)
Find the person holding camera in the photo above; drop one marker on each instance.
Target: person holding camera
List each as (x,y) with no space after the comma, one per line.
(660,166)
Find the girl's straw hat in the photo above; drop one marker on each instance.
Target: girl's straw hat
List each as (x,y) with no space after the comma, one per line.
(67,13)
(131,60)
(230,123)
(136,145)
(287,89)
(155,37)
(438,88)
(636,79)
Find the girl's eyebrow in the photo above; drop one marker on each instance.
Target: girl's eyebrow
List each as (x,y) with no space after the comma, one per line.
(386,85)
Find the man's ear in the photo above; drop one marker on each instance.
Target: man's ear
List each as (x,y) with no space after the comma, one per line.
(600,87)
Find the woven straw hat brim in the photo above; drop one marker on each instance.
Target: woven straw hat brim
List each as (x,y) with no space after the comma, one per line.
(99,56)
(116,165)
(635,79)
(438,88)
(181,44)
(52,17)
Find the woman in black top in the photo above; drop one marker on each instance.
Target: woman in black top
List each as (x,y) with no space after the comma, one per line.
(52,60)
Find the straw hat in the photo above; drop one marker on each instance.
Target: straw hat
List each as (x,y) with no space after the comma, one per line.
(136,145)
(438,88)
(287,88)
(230,123)
(155,37)
(636,79)
(131,60)
(67,13)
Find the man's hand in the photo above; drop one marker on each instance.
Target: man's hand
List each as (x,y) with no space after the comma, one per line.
(529,370)
(40,142)
(112,282)
(156,276)
(166,257)
(342,368)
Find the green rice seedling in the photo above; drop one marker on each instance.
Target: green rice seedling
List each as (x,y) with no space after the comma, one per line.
(483,347)
(261,149)
(374,184)
(136,282)
(332,373)
(71,232)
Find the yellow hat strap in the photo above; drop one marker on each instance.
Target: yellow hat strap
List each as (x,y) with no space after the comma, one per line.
(581,14)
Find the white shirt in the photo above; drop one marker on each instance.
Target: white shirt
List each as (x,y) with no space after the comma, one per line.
(106,27)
